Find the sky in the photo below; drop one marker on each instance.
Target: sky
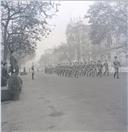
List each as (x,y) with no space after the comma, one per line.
(67,10)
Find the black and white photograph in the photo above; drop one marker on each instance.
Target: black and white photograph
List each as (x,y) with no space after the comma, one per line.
(64,65)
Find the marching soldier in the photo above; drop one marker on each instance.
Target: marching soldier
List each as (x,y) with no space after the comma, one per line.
(106,67)
(99,66)
(116,64)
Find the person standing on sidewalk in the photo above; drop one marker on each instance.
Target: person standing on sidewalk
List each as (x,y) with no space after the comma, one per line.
(32,68)
(4,74)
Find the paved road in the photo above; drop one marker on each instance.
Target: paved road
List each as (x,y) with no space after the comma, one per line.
(50,103)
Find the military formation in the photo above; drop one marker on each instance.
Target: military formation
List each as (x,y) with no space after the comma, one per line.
(87,69)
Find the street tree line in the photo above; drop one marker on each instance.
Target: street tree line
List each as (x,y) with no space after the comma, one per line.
(24,23)
(106,32)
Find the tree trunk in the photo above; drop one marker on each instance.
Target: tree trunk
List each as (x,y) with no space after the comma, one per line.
(5,43)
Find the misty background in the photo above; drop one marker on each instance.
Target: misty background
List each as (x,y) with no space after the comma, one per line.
(71,31)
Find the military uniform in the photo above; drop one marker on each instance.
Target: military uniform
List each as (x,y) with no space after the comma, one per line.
(32,72)
(99,66)
(116,64)
(106,72)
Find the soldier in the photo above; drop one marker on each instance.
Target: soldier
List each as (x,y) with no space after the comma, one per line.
(116,64)
(32,68)
(95,68)
(24,70)
(106,72)
(99,66)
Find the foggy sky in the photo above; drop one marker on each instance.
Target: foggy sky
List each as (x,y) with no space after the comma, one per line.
(67,10)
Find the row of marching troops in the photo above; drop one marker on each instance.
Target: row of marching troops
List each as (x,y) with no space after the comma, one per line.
(91,69)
